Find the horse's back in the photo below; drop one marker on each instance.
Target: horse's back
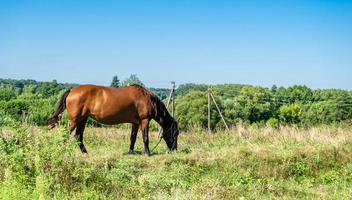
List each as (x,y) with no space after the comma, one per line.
(105,104)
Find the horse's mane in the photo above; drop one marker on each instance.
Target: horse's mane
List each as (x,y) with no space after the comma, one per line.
(155,101)
(144,90)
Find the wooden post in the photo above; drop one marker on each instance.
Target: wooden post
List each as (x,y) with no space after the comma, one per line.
(209,128)
(169,99)
(173,98)
(168,103)
(217,107)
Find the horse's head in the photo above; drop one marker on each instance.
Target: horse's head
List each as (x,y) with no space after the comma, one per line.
(170,135)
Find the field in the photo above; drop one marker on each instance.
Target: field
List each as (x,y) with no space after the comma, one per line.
(246,163)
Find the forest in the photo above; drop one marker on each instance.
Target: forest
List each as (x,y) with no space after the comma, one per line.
(298,105)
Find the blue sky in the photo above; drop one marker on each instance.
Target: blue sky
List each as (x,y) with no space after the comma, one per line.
(200,41)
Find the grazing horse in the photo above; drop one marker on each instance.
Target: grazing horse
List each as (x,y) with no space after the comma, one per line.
(133,104)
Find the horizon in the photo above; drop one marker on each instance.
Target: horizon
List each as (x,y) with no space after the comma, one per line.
(177,85)
(203,42)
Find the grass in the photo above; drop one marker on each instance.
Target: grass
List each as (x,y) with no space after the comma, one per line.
(246,163)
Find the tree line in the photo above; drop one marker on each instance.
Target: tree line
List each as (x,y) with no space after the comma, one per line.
(34,102)
(298,105)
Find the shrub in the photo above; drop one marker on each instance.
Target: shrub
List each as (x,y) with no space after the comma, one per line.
(290,114)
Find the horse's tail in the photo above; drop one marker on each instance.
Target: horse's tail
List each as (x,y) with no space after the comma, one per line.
(60,107)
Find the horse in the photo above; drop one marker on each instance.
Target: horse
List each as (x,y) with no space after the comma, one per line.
(132,104)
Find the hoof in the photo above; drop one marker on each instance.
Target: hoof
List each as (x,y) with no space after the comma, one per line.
(131,152)
(147,154)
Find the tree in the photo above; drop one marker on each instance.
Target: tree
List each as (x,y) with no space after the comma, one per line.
(133,79)
(162,93)
(330,106)
(233,111)
(7,94)
(255,103)
(296,93)
(183,89)
(192,109)
(20,86)
(274,89)
(48,89)
(227,91)
(115,82)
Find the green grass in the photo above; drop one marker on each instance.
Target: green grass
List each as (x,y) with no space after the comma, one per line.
(247,163)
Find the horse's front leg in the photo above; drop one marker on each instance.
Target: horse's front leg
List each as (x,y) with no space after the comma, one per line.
(145,130)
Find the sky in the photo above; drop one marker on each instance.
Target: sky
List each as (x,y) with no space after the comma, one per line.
(187,41)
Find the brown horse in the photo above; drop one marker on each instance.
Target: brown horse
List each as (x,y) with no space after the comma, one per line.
(133,104)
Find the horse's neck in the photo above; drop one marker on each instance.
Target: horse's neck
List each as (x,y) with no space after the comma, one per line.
(164,119)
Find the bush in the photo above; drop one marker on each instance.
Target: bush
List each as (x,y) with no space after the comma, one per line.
(39,163)
(15,109)
(7,94)
(290,114)
(273,122)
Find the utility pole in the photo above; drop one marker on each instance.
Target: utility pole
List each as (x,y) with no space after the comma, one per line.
(173,98)
(209,129)
(170,98)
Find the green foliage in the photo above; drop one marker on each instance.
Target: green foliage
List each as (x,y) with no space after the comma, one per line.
(15,109)
(34,102)
(224,90)
(48,89)
(255,103)
(227,91)
(326,112)
(183,89)
(36,161)
(261,164)
(293,94)
(290,114)
(192,109)
(30,108)
(115,82)
(133,79)
(273,123)
(162,93)
(233,111)
(6,94)
(45,89)
(250,163)
(330,177)
(40,109)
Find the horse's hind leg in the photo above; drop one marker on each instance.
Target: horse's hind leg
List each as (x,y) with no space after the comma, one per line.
(73,126)
(79,135)
(145,130)
(133,137)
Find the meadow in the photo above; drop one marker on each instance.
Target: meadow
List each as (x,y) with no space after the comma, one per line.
(245,163)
